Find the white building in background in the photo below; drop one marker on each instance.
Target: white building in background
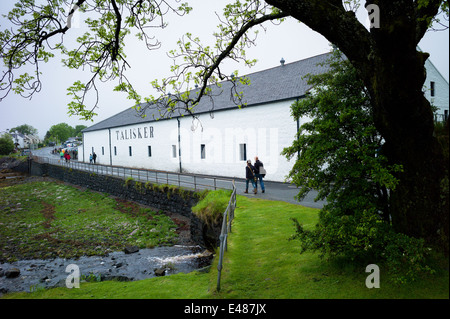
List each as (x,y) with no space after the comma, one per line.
(224,136)
(18,139)
(22,141)
(436,91)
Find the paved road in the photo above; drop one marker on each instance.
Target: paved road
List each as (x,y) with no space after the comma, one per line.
(284,192)
(274,190)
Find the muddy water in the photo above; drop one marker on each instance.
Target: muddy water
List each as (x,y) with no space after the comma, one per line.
(36,274)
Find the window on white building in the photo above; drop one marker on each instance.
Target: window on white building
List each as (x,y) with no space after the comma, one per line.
(202,151)
(130,151)
(149,151)
(243,152)
(103,150)
(115,150)
(432,88)
(174,151)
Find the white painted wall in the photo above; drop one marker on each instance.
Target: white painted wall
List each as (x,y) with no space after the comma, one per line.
(18,139)
(441,97)
(265,129)
(96,140)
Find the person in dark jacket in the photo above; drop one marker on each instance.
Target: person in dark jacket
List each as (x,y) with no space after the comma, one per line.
(259,176)
(250,176)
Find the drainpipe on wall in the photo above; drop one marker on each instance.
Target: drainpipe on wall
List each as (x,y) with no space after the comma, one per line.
(83,145)
(110,152)
(179,144)
(298,129)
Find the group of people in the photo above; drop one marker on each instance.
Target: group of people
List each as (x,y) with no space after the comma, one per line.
(65,155)
(92,158)
(253,174)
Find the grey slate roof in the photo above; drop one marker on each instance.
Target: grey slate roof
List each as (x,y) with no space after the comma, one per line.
(280,83)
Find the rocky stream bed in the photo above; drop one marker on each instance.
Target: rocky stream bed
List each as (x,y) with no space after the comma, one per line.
(130,264)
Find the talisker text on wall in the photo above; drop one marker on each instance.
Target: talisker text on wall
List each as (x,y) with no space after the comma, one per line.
(134,133)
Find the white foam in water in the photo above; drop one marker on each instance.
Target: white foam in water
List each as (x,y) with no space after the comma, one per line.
(179,258)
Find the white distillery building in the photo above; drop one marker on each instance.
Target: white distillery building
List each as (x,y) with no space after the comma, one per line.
(436,91)
(223,137)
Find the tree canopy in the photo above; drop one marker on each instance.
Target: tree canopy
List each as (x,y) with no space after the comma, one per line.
(61,132)
(25,129)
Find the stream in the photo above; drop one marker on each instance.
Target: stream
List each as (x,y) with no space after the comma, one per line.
(36,274)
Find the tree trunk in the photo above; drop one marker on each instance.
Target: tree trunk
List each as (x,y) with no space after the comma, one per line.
(394,74)
(402,114)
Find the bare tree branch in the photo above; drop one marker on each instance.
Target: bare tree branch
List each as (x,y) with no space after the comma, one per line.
(209,65)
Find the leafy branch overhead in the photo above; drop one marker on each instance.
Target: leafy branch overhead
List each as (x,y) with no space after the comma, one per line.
(37,30)
(200,66)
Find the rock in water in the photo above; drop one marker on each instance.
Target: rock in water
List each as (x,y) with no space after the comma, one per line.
(12,273)
(160,271)
(131,249)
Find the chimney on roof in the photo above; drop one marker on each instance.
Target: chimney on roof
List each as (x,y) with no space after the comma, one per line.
(282,61)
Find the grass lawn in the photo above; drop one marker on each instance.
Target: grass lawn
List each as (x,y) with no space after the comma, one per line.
(262,262)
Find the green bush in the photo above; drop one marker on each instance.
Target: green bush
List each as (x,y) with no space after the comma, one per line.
(6,145)
(364,238)
(128,181)
(406,257)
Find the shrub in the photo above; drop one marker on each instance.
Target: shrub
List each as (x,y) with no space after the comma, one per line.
(128,181)
(365,238)
(6,144)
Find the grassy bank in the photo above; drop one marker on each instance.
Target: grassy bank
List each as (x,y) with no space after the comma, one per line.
(45,220)
(262,262)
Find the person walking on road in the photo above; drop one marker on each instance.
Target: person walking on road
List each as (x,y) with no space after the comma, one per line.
(90,158)
(94,157)
(259,173)
(250,176)
(67,157)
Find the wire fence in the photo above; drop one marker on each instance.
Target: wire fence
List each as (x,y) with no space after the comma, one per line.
(195,182)
(228,217)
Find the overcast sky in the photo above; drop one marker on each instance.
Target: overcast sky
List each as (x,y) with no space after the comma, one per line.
(291,40)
